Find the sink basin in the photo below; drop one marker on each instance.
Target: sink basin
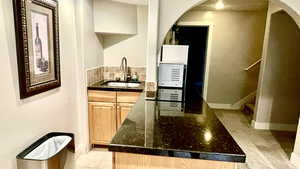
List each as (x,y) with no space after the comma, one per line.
(123,84)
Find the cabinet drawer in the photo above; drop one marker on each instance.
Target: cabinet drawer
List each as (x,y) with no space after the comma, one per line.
(101,96)
(127,97)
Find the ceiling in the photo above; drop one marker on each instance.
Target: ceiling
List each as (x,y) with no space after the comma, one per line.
(235,5)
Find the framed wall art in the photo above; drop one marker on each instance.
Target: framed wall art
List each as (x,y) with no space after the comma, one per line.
(37,39)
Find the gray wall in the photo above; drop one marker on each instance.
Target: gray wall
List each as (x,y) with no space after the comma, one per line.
(237,42)
(281,78)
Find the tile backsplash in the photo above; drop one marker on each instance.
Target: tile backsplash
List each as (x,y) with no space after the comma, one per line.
(151,89)
(94,75)
(111,72)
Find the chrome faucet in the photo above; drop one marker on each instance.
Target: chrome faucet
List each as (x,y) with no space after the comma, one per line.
(124,68)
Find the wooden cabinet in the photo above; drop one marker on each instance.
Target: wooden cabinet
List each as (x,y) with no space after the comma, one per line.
(102,120)
(138,161)
(122,111)
(127,97)
(107,111)
(102,96)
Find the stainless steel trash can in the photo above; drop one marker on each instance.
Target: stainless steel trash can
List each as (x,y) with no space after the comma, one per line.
(52,151)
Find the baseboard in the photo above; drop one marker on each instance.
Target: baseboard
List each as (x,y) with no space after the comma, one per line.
(235,106)
(273,126)
(239,104)
(295,160)
(220,106)
(80,150)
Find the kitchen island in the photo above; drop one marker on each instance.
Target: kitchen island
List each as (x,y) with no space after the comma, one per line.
(159,134)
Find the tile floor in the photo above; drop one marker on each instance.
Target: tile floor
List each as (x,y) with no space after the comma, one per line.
(264,149)
(95,159)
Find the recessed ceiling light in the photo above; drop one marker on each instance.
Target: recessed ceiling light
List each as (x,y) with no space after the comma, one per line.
(220,5)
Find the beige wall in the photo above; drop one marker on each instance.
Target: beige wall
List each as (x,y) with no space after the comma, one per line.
(114,17)
(152,40)
(237,41)
(131,46)
(24,121)
(89,55)
(278,101)
(92,46)
(169,14)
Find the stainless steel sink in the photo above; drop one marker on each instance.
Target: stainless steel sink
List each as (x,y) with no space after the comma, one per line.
(123,84)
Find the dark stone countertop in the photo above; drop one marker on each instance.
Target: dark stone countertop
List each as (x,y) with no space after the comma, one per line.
(175,130)
(102,85)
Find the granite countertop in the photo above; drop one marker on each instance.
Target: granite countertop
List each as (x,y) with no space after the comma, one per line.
(176,130)
(102,85)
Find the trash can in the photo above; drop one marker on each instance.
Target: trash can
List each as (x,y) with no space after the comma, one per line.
(52,151)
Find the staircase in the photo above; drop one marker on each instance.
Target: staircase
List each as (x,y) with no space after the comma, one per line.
(249,108)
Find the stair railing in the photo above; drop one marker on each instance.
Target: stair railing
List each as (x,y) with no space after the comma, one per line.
(252,65)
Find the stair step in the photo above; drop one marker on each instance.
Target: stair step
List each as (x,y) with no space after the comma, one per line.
(250,106)
(253,101)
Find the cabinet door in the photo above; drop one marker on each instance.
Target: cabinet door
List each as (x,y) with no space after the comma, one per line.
(123,110)
(102,119)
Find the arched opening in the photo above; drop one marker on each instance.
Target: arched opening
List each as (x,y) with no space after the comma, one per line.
(233,41)
(168,16)
(278,102)
(281,141)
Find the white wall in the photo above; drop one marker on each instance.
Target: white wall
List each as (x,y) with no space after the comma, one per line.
(237,41)
(131,46)
(114,17)
(24,121)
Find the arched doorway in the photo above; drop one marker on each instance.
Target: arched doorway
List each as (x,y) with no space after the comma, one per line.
(278,101)
(280,77)
(288,11)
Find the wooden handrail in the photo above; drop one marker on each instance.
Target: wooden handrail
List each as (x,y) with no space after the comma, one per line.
(251,66)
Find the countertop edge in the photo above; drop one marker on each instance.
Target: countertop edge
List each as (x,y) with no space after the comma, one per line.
(179,154)
(115,89)
(106,88)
